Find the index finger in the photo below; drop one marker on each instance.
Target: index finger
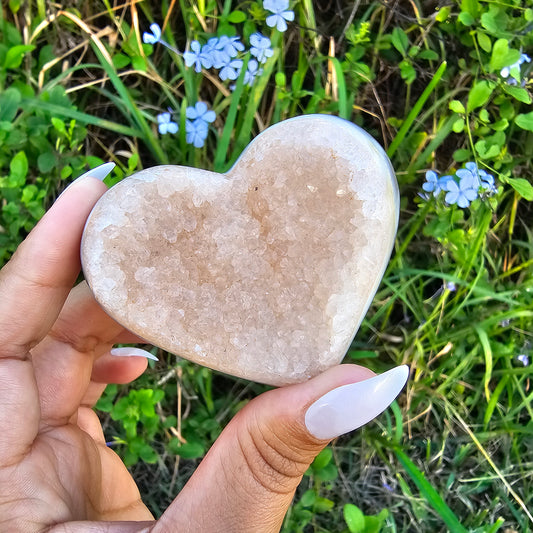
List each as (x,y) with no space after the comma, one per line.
(33,288)
(35,283)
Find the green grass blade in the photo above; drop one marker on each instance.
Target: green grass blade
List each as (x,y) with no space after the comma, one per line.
(430,494)
(134,114)
(487,351)
(344,110)
(254,100)
(83,118)
(411,117)
(227,132)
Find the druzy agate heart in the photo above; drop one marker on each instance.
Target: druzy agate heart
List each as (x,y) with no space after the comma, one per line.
(264,272)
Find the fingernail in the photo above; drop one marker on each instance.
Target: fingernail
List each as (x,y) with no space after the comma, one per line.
(132,352)
(351,406)
(100,172)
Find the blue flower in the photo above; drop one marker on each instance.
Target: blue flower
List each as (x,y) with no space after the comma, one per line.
(512,73)
(252,71)
(165,124)
(281,14)
(523,358)
(435,184)
(200,111)
(155,36)
(462,193)
(199,57)
(230,45)
(260,47)
(217,54)
(196,132)
(481,177)
(197,124)
(450,285)
(230,71)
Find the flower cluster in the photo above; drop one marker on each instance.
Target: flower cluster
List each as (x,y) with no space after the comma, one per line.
(221,53)
(462,188)
(197,123)
(512,74)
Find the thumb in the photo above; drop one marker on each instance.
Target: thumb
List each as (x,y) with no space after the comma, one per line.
(247,480)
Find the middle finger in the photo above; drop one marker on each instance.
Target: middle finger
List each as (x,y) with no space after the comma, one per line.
(63,361)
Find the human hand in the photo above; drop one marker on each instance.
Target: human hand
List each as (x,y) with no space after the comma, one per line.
(56,472)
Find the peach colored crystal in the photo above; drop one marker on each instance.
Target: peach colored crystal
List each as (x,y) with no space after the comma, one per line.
(264,272)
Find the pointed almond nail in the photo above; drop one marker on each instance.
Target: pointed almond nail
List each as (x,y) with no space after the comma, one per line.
(100,172)
(349,407)
(132,352)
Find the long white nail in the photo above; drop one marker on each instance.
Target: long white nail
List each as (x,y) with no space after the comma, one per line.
(100,172)
(132,352)
(351,406)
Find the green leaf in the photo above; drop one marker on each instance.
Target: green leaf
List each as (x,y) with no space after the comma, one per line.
(308,498)
(120,61)
(500,125)
(461,155)
(139,63)
(374,524)
(16,54)
(484,41)
(522,187)
(457,107)
(237,16)
(9,104)
(502,55)
(466,19)
(399,40)
(14,5)
(479,95)
(471,7)
(518,93)
(443,13)
(18,168)
(486,150)
(495,21)
(407,71)
(190,450)
(322,459)
(430,55)
(354,518)
(323,505)
(46,162)
(525,121)
(59,125)
(458,125)
(147,454)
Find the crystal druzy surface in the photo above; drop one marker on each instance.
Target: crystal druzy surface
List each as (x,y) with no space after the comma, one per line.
(264,272)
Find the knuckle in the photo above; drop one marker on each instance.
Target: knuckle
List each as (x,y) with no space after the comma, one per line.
(277,457)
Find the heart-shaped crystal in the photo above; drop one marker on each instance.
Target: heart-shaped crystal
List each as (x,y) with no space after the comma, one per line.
(264,272)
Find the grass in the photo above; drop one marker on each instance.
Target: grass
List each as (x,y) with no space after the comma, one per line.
(455,454)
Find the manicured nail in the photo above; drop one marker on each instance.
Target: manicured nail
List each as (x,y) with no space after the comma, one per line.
(351,406)
(100,172)
(132,352)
